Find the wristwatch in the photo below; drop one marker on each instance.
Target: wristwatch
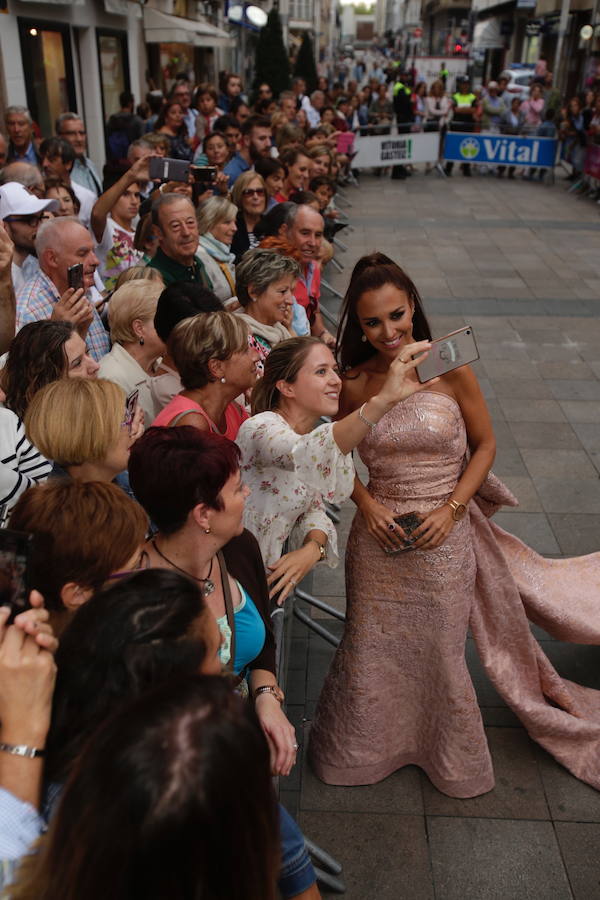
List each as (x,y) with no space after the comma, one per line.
(22,750)
(458,509)
(270,689)
(322,548)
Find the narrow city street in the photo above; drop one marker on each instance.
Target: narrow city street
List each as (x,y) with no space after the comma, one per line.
(520,262)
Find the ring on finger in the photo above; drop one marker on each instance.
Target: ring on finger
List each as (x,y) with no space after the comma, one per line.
(392,526)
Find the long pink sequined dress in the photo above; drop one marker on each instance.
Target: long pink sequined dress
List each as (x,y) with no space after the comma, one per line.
(398,691)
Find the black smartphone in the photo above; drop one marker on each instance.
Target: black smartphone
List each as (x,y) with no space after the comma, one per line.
(204,174)
(165,169)
(75,276)
(408,522)
(15,553)
(130,408)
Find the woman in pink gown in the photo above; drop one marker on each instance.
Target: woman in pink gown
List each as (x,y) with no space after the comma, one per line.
(398,691)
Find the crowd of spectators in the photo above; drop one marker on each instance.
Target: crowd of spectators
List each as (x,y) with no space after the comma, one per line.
(138,313)
(163,337)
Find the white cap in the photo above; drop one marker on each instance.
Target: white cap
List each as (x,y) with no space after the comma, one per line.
(15,200)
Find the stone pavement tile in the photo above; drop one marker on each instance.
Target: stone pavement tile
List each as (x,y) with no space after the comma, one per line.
(518,410)
(569,799)
(399,794)
(319,659)
(495,411)
(555,463)
(506,350)
(500,368)
(329,582)
(551,289)
(581,411)
(544,435)
(486,388)
(509,462)
(552,352)
(521,387)
(577,662)
(487,695)
(532,528)
(577,534)
(595,366)
(525,492)
(384,857)
(515,306)
(518,793)
(504,436)
(496,859)
(499,717)
(579,845)
(573,369)
(569,495)
(589,435)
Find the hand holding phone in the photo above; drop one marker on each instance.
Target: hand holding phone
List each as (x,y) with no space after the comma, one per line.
(75,276)
(408,522)
(15,551)
(165,169)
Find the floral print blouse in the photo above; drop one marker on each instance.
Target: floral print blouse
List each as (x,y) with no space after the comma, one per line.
(290,476)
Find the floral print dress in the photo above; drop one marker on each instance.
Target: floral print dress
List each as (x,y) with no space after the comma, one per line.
(291,476)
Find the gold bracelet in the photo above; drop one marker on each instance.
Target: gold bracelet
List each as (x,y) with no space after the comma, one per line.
(363,418)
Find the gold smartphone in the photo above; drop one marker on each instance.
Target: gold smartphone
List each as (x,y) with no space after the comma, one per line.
(448,353)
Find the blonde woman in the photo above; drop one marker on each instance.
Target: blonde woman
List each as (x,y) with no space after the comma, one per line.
(217,227)
(136,347)
(216,364)
(265,282)
(83,425)
(250,196)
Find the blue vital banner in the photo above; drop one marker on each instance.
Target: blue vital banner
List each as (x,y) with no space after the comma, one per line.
(499,149)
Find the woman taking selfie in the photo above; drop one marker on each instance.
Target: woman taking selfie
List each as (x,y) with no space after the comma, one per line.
(431,456)
(291,467)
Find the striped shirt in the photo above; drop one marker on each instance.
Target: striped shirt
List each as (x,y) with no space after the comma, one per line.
(36,300)
(21,465)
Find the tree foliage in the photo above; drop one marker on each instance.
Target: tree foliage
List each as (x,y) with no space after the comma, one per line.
(306,66)
(272,64)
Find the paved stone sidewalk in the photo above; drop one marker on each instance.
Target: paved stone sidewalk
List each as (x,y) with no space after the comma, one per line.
(520,262)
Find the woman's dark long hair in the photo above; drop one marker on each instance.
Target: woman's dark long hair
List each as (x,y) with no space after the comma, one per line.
(369,274)
(171,800)
(123,641)
(36,357)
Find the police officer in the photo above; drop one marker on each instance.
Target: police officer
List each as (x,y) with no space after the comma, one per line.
(401,97)
(464,103)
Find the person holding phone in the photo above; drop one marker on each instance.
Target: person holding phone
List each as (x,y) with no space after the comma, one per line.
(399,692)
(293,468)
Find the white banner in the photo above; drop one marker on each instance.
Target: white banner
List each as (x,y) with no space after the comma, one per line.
(396,149)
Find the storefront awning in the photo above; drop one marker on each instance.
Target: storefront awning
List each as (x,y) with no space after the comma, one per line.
(487,36)
(160,28)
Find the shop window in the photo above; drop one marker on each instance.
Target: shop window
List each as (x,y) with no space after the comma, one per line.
(46,54)
(114,69)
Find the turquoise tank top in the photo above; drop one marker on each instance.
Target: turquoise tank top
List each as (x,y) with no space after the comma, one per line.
(250,634)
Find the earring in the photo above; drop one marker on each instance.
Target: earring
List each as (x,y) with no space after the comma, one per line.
(207,531)
(141,342)
(364,338)
(223,380)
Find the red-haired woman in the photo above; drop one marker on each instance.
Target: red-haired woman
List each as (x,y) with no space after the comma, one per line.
(199,512)
(399,692)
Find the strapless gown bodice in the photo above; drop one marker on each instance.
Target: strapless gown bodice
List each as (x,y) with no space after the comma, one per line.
(417,450)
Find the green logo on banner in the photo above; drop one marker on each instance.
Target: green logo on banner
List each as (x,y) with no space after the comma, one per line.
(469,148)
